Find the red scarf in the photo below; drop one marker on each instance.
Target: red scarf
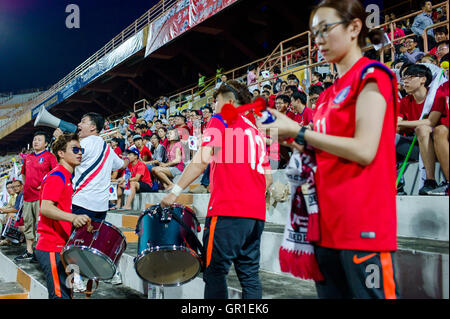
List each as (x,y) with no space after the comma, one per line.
(296,253)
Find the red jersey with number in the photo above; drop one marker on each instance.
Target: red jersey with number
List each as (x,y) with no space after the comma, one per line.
(141,169)
(357,203)
(35,167)
(56,187)
(238,182)
(441,103)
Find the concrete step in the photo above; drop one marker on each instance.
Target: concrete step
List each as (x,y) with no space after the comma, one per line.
(427,258)
(12,290)
(32,279)
(417,216)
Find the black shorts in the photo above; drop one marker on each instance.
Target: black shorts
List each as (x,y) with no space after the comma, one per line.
(356,274)
(144,188)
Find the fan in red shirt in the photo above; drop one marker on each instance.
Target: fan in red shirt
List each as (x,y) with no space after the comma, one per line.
(234,223)
(300,113)
(35,166)
(144,153)
(56,218)
(433,142)
(140,179)
(354,143)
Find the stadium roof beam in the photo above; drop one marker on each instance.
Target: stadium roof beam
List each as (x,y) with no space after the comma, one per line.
(207,30)
(239,45)
(108,110)
(137,86)
(166,77)
(118,99)
(199,62)
(79,100)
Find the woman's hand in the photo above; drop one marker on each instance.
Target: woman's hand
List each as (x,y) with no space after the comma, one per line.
(284,125)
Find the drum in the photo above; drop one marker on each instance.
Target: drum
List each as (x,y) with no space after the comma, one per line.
(96,249)
(11,232)
(168,248)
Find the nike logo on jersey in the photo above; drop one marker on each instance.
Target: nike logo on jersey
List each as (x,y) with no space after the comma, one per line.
(357,260)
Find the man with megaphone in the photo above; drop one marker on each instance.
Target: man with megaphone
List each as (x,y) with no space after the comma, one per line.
(92,177)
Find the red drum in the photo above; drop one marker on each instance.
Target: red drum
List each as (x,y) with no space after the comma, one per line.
(96,249)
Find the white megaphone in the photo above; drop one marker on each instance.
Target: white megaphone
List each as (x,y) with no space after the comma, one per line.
(44,118)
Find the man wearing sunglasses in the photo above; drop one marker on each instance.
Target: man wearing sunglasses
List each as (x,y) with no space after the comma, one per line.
(56,218)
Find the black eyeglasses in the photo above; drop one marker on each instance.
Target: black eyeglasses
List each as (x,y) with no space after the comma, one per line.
(76,150)
(323,29)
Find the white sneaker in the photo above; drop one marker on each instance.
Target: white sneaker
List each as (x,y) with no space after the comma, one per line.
(117,279)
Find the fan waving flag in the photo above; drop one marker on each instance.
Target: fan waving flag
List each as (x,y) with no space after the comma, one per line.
(16,172)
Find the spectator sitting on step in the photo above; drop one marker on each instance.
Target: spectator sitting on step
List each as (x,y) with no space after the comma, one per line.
(416,80)
(299,112)
(282,103)
(9,207)
(166,172)
(316,79)
(183,129)
(140,180)
(313,95)
(149,113)
(442,49)
(290,89)
(131,120)
(159,155)
(440,34)
(411,52)
(432,133)
(429,58)
(144,153)
(207,113)
(162,132)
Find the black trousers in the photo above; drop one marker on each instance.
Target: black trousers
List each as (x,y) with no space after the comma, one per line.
(356,274)
(228,240)
(55,274)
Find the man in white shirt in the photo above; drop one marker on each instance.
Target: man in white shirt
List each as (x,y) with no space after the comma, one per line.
(92,178)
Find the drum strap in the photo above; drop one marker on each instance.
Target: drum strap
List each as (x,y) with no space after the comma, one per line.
(189,230)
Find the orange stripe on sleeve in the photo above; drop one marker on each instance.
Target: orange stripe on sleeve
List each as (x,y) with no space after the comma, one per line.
(55,275)
(388,275)
(212,227)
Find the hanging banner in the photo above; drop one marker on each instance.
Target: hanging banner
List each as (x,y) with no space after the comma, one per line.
(182,16)
(103,65)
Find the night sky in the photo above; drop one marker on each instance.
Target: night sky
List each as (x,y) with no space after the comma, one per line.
(36,47)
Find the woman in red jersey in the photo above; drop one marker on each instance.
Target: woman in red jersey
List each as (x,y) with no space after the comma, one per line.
(354,142)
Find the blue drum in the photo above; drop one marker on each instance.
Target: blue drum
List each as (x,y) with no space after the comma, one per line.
(169,251)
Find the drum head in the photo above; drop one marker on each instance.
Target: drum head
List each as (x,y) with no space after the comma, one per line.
(170,267)
(93,264)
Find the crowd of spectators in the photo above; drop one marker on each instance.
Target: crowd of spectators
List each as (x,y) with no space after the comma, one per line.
(160,141)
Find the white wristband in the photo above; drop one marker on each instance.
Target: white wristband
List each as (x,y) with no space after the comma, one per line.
(176,190)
